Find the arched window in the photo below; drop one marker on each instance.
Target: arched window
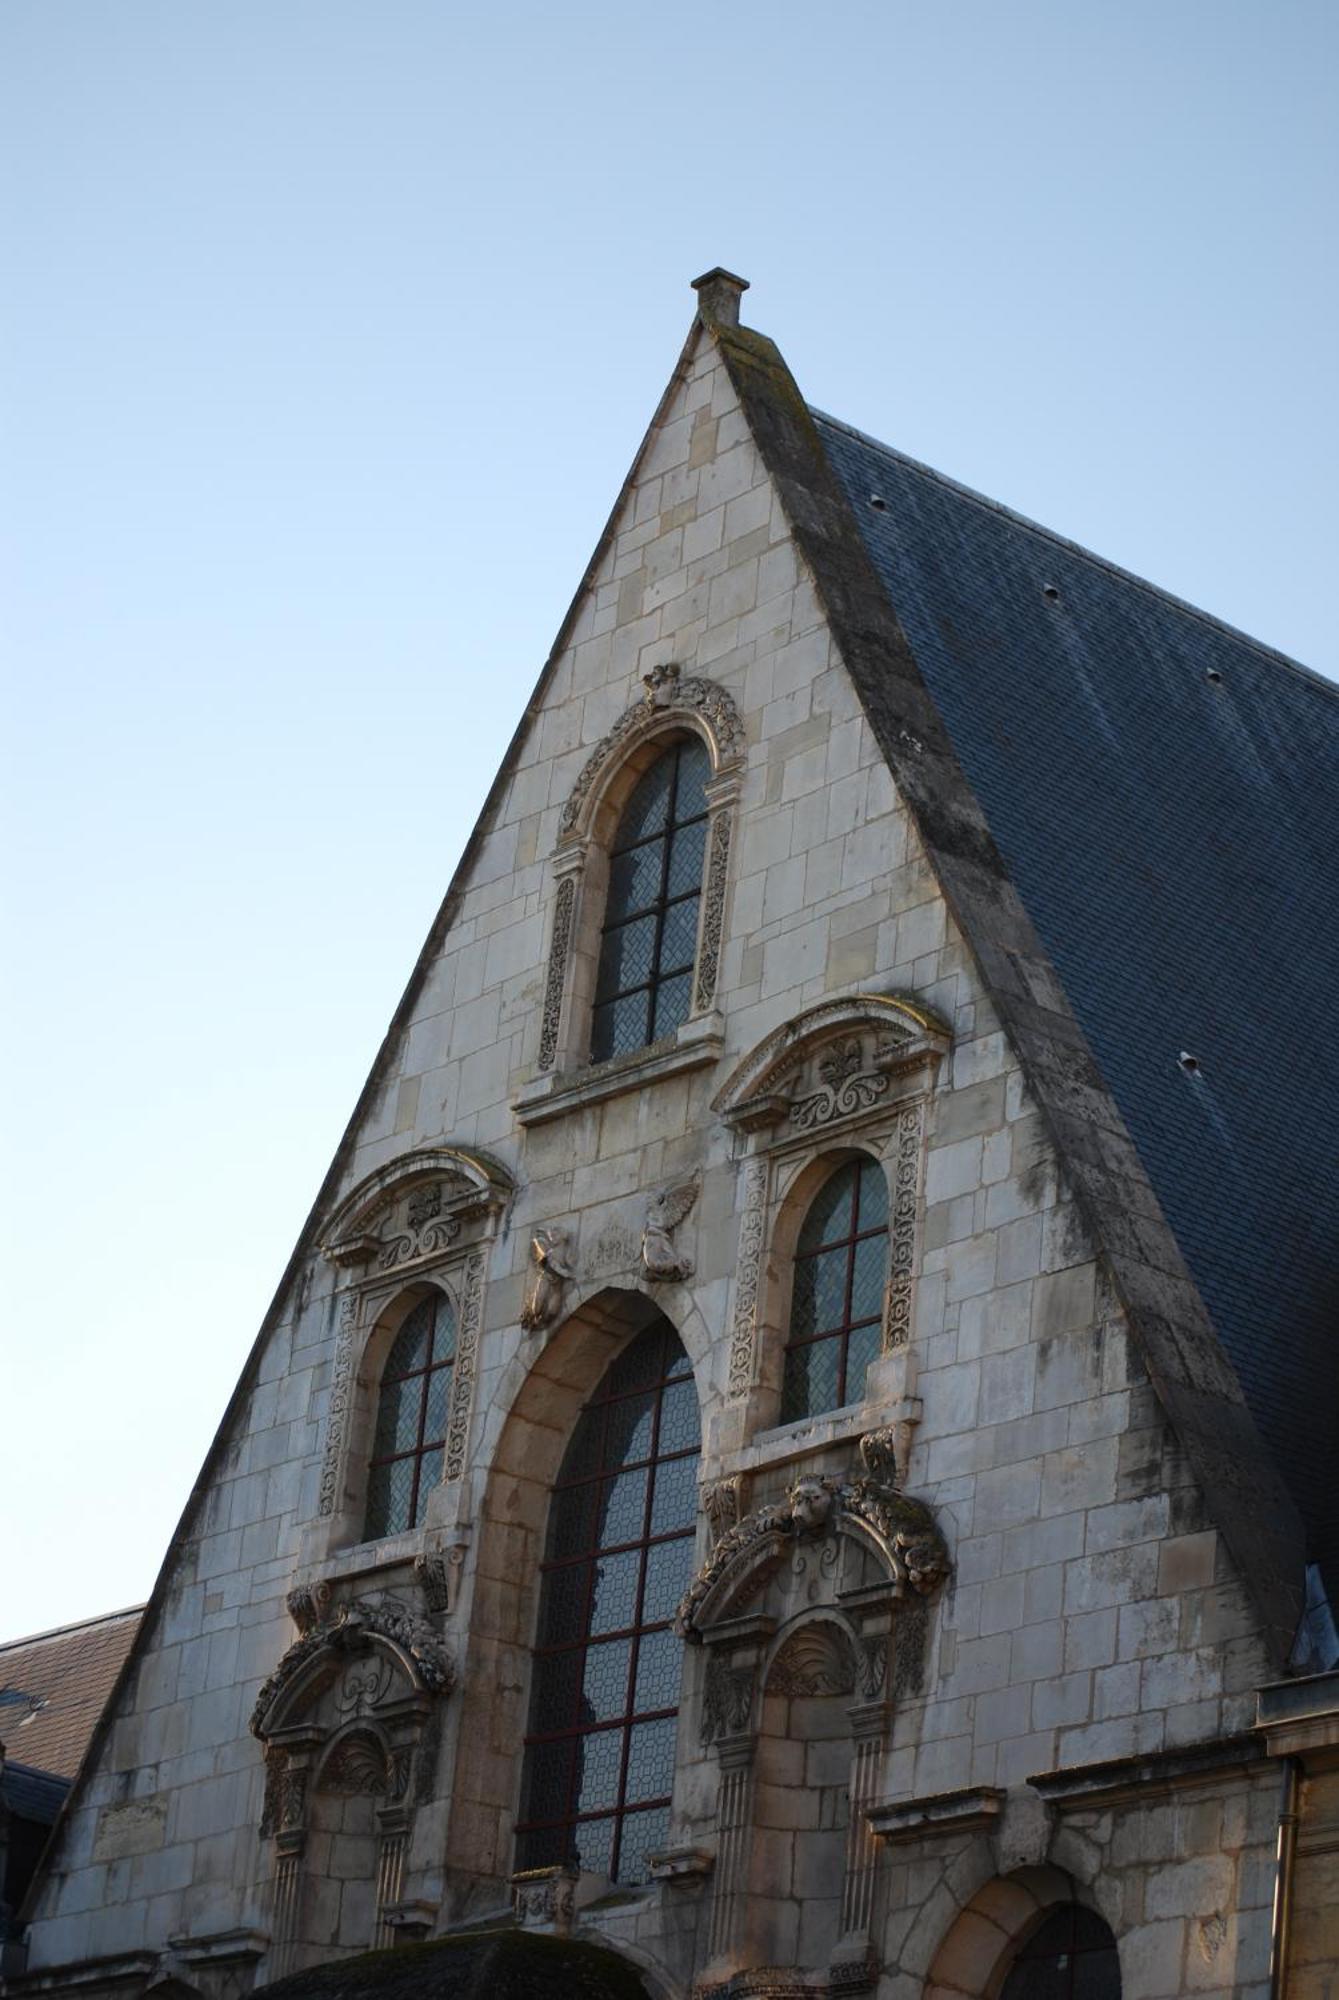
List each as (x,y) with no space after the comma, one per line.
(837,1297)
(410,1437)
(1072,1957)
(600,1753)
(645,981)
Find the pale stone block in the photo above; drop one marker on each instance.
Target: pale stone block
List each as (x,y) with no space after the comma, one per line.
(953,1170)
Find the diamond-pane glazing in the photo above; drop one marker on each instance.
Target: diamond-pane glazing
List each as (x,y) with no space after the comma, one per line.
(647,811)
(629,1684)
(830,1212)
(620,1027)
(678,940)
(644,1834)
(593,1843)
(680,1423)
(674,1503)
(613,1598)
(599,1763)
(687,851)
(630,1429)
(604,1687)
(837,1288)
(412,1407)
(672,1002)
(669,1567)
(623,1508)
(634,877)
(650,919)
(659,1672)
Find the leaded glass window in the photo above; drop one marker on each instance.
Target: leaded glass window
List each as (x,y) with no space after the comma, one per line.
(410,1437)
(644,986)
(599,1764)
(837,1299)
(1072,1957)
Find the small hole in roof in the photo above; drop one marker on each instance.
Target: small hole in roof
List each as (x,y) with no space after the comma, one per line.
(1190,1064)
(1050,593)
(877,501)
(1213,677)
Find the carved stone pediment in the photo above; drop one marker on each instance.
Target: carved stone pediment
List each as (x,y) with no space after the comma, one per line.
(415,1210)
(867,1539)
(346,1710)
(835,1062)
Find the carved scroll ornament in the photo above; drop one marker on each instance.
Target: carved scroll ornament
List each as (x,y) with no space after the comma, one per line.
(668,691)
(904,1533)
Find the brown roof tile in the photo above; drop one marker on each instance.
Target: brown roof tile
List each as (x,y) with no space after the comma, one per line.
(54,1686)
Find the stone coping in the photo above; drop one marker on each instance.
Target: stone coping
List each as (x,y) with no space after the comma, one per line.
(974,1810)
(1123,1779)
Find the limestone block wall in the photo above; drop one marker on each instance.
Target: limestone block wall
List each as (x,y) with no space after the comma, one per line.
(1092,1613)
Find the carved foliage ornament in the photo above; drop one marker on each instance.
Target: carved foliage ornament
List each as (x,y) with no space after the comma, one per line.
(667,690)
(351,1631)
(835,1061)
(904,1530)
(415,1209)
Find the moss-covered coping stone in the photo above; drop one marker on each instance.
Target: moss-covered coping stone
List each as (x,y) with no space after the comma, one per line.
(504,1965)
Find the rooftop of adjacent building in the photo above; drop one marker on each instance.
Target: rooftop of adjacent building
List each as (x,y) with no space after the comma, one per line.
(53,1688)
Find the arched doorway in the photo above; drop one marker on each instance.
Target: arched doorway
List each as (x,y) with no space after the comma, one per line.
(1025,1936)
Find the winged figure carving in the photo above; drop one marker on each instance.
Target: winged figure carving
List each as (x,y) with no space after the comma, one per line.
(660,1258)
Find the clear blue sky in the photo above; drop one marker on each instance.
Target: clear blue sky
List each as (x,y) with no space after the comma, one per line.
(330,331)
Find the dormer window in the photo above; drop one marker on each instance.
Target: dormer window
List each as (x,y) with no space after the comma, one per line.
(648,944)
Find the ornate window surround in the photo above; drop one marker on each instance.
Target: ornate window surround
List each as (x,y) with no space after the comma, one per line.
(675,704)
(848,1077)
(425,1221)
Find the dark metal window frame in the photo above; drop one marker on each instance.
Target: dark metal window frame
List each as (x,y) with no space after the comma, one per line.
(1073,1952)
(659,909)
(849,1242)
(423,1447)
(531,1832)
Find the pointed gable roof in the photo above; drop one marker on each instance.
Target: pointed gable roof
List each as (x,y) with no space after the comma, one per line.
(1127,807)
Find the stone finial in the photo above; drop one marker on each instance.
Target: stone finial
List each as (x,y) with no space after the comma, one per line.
(718,295)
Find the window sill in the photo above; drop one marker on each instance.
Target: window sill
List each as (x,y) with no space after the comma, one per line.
(784,1443)
(696,1045)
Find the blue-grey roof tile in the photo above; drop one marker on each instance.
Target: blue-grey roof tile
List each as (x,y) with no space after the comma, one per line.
(1163,791)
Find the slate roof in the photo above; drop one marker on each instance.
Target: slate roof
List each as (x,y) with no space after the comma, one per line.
(1163,792)
(53,1688)
(32,1795)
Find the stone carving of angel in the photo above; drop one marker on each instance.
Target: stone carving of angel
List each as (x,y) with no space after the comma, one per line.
(660,1258)
(550,1269)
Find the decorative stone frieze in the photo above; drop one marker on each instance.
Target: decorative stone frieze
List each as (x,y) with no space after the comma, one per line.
(412,1212)
(544,1899)
(748,1272)
(833,1064)
(337,1415)
(555,979)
